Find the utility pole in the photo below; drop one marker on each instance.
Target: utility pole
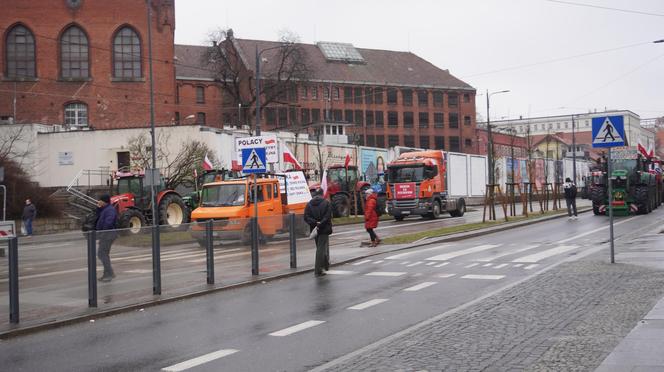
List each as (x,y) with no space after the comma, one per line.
(573,152)
(258,93)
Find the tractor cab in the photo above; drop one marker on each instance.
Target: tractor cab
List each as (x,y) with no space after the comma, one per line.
(341,179)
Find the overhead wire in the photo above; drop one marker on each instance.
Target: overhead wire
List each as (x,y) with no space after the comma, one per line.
(606,8)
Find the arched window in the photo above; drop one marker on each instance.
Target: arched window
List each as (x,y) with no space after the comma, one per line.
(20,53)
(127,54)
(74,57)
(76,114)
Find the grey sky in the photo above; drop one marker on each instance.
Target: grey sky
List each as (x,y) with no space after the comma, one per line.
(473,37)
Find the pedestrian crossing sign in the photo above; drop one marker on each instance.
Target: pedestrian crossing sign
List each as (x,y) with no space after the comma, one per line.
(609,131)
(253,160)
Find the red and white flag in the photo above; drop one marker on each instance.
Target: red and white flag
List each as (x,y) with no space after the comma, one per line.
(207,164)
(347,160)
(290,158)
(323,182)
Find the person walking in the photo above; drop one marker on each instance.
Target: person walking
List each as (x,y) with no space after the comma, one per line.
(371,216)
(318,215)
(106,221)
(29,214)
(570,198)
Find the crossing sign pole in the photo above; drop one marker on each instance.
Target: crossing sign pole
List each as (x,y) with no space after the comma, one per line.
(609,131)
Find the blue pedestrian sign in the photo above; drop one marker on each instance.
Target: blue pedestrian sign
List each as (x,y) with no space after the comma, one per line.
(609,131)
(253,160)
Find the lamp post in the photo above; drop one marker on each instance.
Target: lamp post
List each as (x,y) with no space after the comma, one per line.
(490,138)
(258,85)
(573,152)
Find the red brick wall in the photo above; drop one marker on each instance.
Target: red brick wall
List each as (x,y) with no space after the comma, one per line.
(111,104)
(212,104)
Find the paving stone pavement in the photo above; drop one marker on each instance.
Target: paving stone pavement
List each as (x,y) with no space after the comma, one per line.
(566,319)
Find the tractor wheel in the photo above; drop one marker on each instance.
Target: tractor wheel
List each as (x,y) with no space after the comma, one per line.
(172,211)
(641,198)
(132,220)
(399,218)
(340,205)
(435,210)
(460,210)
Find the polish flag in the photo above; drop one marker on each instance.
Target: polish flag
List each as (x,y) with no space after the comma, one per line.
(290,158)
(236,166)
(347,160)
(207,164)
(323,182)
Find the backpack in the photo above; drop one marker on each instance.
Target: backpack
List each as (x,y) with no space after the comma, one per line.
(380,206)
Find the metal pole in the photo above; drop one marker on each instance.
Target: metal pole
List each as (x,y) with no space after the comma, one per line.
(293,244)
(613,259)
(4,202)
(209,252)
(573,152)
(258,93)
(156,259)
(13,280)
(489,139)
(92,268)
(254,231)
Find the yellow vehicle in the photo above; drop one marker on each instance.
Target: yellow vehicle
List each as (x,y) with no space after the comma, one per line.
(230,204)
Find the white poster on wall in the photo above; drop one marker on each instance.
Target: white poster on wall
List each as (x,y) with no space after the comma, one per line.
(65,158)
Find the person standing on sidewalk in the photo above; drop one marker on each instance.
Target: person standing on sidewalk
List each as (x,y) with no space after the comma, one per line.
(371,216)
(570,198)
(29,214)
(318,215)
(106,225)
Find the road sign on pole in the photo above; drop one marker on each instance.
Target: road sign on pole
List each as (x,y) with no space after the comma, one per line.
(253,160)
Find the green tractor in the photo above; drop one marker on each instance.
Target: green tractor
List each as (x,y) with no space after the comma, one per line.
(192,199)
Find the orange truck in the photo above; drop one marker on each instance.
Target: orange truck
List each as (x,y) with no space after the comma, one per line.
(230,204)
(417,184)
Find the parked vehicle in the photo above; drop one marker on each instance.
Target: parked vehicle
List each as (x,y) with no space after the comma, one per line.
(192,199)
(345,190)
(417,185)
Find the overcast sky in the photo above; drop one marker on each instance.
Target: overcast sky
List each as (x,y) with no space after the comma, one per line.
(474,39)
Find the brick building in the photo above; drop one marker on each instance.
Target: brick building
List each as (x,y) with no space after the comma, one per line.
(503,144)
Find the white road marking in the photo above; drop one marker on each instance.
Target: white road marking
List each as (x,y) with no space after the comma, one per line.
(402,255)
(379,262)
(420,286)
(137,271)
(499,266)
(385,273)
(168,257)
(200,360)
(446,275)
(593,231)
(297,328)
(530,267)
(45,274)
(405,262)
(415,264)
(443,264)
(487,265)
(518,265)
(361,262)
(430,263)
(463,252)
(536,257)
(484,277)
(507,253)
(340,272)
(368,304)
(471,265)
(224,256)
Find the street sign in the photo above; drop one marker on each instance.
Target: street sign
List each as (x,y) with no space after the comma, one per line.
(609,131)
(253,160)
(269,143)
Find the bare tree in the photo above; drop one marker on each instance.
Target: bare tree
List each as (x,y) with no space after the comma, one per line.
(15,144)
(286,66)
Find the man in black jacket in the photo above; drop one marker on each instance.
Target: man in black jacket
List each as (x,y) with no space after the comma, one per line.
(318,214)
(570,198)
(29,214)
(106,225)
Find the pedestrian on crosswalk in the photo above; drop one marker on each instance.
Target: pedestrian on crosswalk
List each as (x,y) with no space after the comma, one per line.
(371,217)
(570,198)
(318,215)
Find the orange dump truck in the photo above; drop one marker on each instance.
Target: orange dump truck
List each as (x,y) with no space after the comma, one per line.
(230,204)
(417,185)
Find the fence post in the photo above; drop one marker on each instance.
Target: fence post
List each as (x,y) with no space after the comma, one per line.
(293,244)
(254,245)
(13,280)
(209,252)
(92,268)
(156,257)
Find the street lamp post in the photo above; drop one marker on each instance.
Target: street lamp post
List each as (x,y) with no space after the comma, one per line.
(490,138)
(258,86)
(573,152)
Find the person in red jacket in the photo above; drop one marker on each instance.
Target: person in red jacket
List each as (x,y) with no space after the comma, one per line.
(371,217)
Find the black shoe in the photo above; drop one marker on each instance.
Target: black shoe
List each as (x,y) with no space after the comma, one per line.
(320,274)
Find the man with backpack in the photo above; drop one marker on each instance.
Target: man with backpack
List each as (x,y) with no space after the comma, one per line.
(570,198)
(371,214)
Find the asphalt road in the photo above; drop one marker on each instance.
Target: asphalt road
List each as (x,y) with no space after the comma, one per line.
(302,322)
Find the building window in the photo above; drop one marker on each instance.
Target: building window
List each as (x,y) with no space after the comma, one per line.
(348,116)
(407,96)
(314,93)
(369,116)
(378,96)
(336,114)
(380,141)
(423,97)
(438,98)
(74,57)
(371,141)
(392,140)
(358,95)
(270,116)
(468,142)
(282,113)
(200,94)
(335,93)
(368,95)
(408,119)
(454,144)
(327,129)
(452,100)
(466,98)
(438,119)
(392,119)
(303,92)
(424,119)
(391,96)
(439,142)
(424,142)
(292,93)
(127,54)
(315,115)
(200,118)
(292,116)
(326,93)
(379,119)
(306,117)
(348,95)
(359,117)
(76,114)
(20,53)
(409,141)
(466,120)
(454,120)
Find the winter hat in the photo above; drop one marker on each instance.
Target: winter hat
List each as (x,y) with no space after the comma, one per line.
(369,191)
(568,179)
(105,198)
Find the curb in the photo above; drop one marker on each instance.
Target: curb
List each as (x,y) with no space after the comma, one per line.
(23,331)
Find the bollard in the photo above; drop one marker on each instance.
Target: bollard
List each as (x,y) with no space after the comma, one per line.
(291,235)
(254,246)
(92,268)
(156,259)
(209,249)
(13,280)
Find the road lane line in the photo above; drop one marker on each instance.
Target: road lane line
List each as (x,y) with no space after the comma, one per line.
(224,256)
(483,277)
(402,255)
(340,272)
(168,257)
(415,264)
(368,304)
(385,273)
(443,264)
(487,265)
(463,252)
(446,275)
(499,266)
(405,262)
(539,256)
(361,262)
(594,231)
(297,328)
(530,267)
(430,263)
(471,265)
(502,254)
(200,360)
(379,262)
(518,265)
(420,286)
(46,274)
